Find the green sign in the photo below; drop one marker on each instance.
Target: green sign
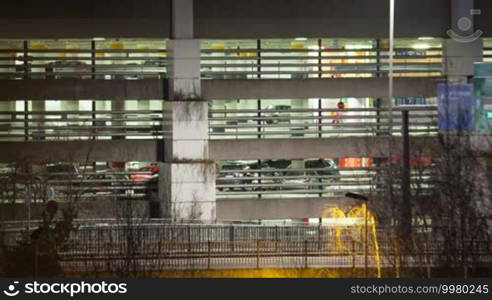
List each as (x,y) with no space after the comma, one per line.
(483,97)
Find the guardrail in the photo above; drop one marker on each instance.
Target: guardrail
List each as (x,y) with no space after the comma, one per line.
(28,63)
(230,184)
(78,124)
(223,123)
(318,63)
(319,123)
(310,182)
(111,184)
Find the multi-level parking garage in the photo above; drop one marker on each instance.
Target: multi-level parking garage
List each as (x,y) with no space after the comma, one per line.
(202,109)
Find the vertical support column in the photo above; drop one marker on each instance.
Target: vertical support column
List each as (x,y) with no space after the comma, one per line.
(187,176)
(320,75)
(464,47)
(459,58)
(406,205)
(93,76)
(27,75)
(258,105)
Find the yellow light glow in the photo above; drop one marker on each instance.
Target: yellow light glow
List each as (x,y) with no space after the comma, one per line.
(117,46)
(297,46)
(350,228)
(39,47)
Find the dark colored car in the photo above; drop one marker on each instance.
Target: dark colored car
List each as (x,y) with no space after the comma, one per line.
(106,183)
(329,166)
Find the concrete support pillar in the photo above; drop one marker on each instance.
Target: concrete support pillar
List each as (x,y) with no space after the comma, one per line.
(187,176)
(459,58)
(465,45)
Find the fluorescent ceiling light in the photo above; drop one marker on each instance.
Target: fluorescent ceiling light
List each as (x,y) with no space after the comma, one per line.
(301,39)
(421,46)
(98,39)
(425,38)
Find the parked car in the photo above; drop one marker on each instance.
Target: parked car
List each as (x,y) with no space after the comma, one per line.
(62,171)
(152,171)
(107,183)
(277,111)
(329,166)
(304,180)
(231,178)
(315,179)
(68,69)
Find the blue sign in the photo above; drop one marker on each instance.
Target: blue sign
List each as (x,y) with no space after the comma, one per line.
(455,107)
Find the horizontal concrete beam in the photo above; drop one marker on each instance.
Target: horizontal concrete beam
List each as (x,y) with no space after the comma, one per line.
(148,89)
(287,208)
(316,88)
(81,151)
(314,148)
(152,150)
(77,89)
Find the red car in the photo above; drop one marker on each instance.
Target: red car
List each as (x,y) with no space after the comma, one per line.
(151,172)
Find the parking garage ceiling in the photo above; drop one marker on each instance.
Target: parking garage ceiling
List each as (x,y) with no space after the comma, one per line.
(230,19)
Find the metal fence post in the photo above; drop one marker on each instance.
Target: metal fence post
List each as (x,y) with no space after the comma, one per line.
(208,256)
(257,254)
(406,207)
(276,238)
(189,238)
(26,102)
(232,237)
(36,258)
(353,256)
(305,254)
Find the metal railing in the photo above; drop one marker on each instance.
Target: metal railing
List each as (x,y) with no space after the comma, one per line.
(78,124)
(160,247)
(310,182)
(318,123)
(223,123)
(318,63)
(16,187)
(42,187)
(28,63)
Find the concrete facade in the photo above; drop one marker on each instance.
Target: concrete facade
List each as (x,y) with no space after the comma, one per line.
(186,155)
(153,150)
(149,89)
